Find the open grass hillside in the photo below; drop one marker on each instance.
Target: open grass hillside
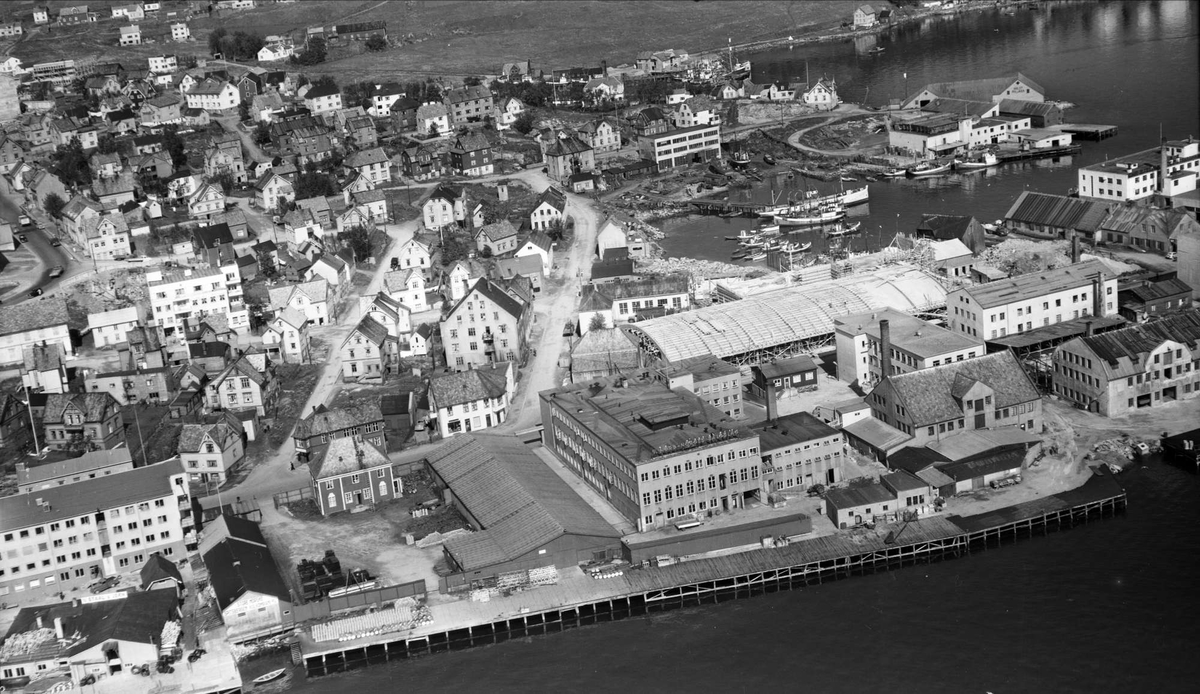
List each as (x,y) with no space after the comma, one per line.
(457,37)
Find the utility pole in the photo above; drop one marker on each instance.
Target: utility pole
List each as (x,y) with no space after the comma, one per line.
(37,448)
(141,441)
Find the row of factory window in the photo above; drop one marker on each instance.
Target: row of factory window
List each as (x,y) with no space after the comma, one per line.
(680,468)
(695,486)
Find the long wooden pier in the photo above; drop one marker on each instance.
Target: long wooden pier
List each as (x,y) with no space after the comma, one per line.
(731,577)
(1089,131)
(1011,155)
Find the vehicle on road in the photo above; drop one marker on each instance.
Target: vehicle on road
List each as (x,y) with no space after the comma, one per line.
(36,291)
(1172,255)
(24,220)
(56,243)
(56,271)
(22,238)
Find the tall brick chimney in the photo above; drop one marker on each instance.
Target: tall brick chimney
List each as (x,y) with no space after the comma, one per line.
(885,349)
(1098,302)
(1074,248)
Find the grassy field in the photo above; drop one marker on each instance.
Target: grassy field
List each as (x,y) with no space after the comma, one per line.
(455,37)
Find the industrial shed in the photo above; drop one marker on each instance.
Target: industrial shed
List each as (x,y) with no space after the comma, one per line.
(784,322)
(526,516)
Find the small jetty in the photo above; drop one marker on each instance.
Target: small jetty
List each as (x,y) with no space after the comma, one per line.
(1007,155)
(1089,131)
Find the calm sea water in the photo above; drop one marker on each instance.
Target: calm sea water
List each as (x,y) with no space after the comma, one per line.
(1135,65)
(1109,607)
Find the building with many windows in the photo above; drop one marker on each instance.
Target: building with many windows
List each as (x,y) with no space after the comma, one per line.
(82,421)
(1168,170)
(715,381)
(870,345)
(1141,366)
(486,325)
(1022,303)
(989,392)
(800,451)
(682,146)
(473,400)
(656,454)
(209,451)
(63,538)
(180,299)
(351,474)
(360,420)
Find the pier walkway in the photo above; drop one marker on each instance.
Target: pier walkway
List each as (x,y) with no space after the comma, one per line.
(576,599)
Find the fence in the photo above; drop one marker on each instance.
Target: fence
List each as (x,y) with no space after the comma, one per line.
(323,609)
(293,495)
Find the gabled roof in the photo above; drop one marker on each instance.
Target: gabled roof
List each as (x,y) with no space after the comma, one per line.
(236,568)
(367,157)
(497,231)
(158,568)
(397,280)
(445,192)
(471,142)
(520,502)
(483,383)
(567,146)
(456,96)
(553,197)
(240,367)
(347,455)
(212,236)
(541,240)
(928,393)
(319,90)
(1121,352)
(978,90)
(94,406)
(329,421)
(496,295)
(193,436)
(1034,284)
(1057,211)
(293,317)
(371,330)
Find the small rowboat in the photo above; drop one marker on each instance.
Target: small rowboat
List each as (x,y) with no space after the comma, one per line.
(769,160)
(270,676)
(894,173)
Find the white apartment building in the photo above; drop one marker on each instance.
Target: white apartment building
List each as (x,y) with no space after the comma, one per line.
(213,95)
(1026,302)
(681,147)
(63,538)
(184,296)
(1141,175)
(163,64)
(180,32)
(872,343)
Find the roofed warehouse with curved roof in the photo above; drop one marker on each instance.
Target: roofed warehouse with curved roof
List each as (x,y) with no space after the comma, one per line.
(737,331)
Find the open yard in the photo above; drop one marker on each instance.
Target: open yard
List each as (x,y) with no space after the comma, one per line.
(373,540)
(460,38)
(150,425)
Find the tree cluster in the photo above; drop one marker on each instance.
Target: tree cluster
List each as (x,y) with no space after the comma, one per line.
(70,164)
(173,145)
(236,45)
(536,94)
(358,240)
(376,43)
(313,183)
(313,54)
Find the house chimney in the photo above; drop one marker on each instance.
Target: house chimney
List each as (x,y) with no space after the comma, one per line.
(1087,329)
(58,628)
(1075,248)
(885,349)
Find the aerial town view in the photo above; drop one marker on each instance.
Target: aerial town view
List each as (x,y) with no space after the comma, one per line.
(341,339)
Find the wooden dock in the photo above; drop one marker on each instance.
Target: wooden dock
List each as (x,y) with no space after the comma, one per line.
(1089,131)
(578,600)
(1016,155)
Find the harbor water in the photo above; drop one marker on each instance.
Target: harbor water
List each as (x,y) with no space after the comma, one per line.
(1133,65)
(1106,607)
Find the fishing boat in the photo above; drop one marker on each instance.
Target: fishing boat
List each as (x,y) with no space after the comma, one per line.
(849,179)
(751,243)
(826,215)
(843,230)
(737,71)
(768,160)
(270,676)
(929,168)
(758,256)
(729,213)
(894,173)
(738,254)
(744,234)
(855,196)
(740,157)
(876,50)
(981,162)
(768,230)
(795,247)
(718,167)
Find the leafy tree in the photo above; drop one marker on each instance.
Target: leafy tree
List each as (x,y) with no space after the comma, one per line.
(247,45)
(71,165)
(244,111)
(262,133)
(433,130)
(53,204)
(524,123)
(314,54)
(314,183)
(377,42)
(225,179)
(106,144)
(556,230)
(472,81)
(214,39)
(454,249)
(325,81)
(358,240)
(173,145)
(597,322)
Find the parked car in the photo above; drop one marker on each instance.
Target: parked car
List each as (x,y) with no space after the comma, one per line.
(23,238)
(56,271)
(56,243)
(24,220)
(36,291)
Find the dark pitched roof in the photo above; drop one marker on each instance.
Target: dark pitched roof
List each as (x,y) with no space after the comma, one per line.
(1057,211)
(212,236)
(851,497)
(321,90)
(945,226)
(521,503)
(95,406)
(236,568)
(787,367)
(491,291)
(915,459)
(327,421)
(158,567)
(929,393)
(1022,107)
(1137,340)
(347,455)
(555,197)
(469,386)
(137,618)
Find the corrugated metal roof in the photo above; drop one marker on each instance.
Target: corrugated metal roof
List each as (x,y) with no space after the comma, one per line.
(1057,211)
